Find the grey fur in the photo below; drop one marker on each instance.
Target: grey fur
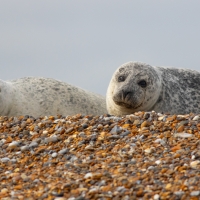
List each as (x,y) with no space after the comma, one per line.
(45,96)
(168,90)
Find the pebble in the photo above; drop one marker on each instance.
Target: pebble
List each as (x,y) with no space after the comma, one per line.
(195,193)
(33,144)
(88,175)
(158,162)
(24,148)
(195,164)
(63,151)
(125,133)
(25,132)
(179,193)
(196,118)
(183,135)
(4,160)
(69,130)
(54,155)
(4,190)
(116,130)
(51,139)
(45,132)
(156,197)
(13,145)
(146,155)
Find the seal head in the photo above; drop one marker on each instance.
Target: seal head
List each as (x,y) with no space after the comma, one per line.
(134,86)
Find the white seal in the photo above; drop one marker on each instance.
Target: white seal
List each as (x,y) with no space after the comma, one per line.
(45,96)
(137,86)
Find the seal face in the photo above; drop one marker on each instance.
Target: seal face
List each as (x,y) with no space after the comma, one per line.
(46,96)
(137,86)
(131,87)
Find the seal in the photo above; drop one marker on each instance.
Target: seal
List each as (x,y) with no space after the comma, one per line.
(45,96)
(136,86)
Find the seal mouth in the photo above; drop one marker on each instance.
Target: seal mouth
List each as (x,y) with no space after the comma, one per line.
(127,105)
(126,98)
(124,104)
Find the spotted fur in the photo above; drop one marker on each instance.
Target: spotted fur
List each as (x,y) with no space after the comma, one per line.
(167,90)
(45,96)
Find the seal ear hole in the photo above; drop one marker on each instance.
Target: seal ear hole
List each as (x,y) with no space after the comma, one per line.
(121,78)
(142,83)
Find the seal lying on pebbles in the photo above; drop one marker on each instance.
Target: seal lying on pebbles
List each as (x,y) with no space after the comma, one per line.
(45,96)
(137,86)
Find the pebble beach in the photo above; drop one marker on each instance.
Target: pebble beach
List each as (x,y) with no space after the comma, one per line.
(145,155)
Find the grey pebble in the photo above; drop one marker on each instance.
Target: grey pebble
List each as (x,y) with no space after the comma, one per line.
(73,158)
(82,134)
(51,139)
(158,140)
(127,132)
(69,130)
(84,125)
(161,141)
(23,124)
(107,118)
(26,132)
(5,159)
(185,122)
(33,144)
(100,126)
(36,181)
(82,142)
(93,137)
(80,198)
(58,129)
(13,160)
(24,148)
(179,193)
(195,193)
(151,168)
(2,142)
(116,129)
(63,151)
(102,183)
(36,128)
(121,189)
(117,119)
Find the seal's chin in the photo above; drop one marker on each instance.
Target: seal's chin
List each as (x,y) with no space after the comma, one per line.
(126,105)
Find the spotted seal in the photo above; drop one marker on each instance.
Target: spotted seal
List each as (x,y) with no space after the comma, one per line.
(46,96)
(137,86)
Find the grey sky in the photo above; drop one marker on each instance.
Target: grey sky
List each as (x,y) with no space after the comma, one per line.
(83,42)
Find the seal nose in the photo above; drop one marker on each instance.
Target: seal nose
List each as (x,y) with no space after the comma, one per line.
(125,94)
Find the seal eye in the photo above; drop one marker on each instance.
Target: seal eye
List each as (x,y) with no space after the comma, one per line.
(121,78)
(142,83)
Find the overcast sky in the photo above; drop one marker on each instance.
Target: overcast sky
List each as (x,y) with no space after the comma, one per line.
(82,42)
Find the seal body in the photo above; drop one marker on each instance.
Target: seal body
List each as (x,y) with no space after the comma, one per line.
(45,96)
(137,86)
